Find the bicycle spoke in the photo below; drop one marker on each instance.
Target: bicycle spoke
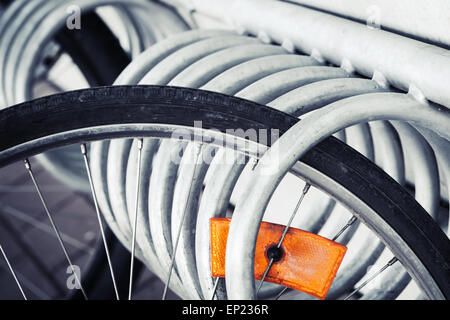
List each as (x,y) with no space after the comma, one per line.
(304,192)
(180,227)
(215,288)
(264,275)
(140,143)
(281,293)
(387,265)
(55,229)
(34,258)
(338,234)
(13,273)
(349,223)
(30,286)
(97,210)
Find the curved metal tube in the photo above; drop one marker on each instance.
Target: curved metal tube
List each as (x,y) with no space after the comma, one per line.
(337,39)
(295,142)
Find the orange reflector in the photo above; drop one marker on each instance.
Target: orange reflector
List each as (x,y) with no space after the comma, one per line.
(309,262)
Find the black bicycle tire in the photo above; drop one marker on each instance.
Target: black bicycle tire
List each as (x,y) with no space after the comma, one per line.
(182,106)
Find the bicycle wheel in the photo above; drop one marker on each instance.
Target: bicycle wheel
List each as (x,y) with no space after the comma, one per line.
(153,111)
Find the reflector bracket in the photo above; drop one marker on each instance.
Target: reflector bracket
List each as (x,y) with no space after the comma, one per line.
(309,262)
